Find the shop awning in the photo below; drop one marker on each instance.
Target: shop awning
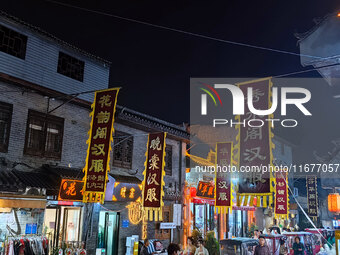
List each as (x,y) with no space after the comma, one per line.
(8,201)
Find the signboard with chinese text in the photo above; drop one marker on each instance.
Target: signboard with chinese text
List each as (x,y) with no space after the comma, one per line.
(205,190)
(203,201)
(71,190)
(255,144)
(126,191)
(153,183)
(99,145)
(312,196)
(281,195)
(223,193)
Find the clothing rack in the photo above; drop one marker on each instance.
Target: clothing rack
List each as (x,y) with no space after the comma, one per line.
(30,244)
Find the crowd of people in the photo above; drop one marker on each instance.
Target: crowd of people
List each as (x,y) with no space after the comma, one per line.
(175,249)
(192,248)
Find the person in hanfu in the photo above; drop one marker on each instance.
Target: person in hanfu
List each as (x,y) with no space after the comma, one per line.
(201,250)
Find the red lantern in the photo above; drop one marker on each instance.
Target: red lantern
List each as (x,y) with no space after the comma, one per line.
(193,192)
(334,203)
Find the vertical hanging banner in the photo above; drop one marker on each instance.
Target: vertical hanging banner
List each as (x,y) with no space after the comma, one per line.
(99,145)
(255,146)
(281,195)
(153,182)
(312,196)
(223,187)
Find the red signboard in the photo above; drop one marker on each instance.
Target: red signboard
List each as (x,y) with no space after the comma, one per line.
(223,199)
(205,190)
(281,195)
(97,162)
(255,141)
(153,183)
(71,190)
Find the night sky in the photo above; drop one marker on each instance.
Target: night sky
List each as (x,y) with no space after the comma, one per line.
(153,66)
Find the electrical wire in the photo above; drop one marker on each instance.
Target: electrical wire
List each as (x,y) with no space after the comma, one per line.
(185,32)
(303,211)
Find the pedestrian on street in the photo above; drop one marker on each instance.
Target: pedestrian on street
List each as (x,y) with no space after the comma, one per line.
(174,249)
(262,248)
(201,250)
(191,248)
(283,249)
(144,250)
(298,247)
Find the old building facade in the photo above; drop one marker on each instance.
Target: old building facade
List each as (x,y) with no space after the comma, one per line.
(46,90)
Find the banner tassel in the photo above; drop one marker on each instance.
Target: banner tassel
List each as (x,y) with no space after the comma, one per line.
(156,215)
(265,202)
(270,201)
(251,202)
(238,202)
(258,201)
(245,202)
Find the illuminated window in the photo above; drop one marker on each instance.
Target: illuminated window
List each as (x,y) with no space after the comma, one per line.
(71,67)
(44,135)
(122,150)
(5,125)
(12,42)
(168,160)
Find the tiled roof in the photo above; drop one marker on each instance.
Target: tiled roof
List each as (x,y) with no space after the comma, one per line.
(126,178)
(37,180)
(47,177)
(9,182)
(63,172)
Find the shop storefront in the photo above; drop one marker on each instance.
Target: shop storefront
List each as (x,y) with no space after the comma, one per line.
(63,224)
(119,217)
(22,211)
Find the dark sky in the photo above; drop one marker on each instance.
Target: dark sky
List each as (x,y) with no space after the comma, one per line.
(154,66)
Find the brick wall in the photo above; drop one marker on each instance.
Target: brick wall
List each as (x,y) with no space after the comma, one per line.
(76,126)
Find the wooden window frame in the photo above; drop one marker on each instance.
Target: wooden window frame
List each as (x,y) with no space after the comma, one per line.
(168,169)
(46,119)
(16,36)
(7,108)
(118,163)
(60,70)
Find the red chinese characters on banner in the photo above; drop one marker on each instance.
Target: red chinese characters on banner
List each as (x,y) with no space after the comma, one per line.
(153,174)
(97,162)
(223,185)
(281,195)
(255,143)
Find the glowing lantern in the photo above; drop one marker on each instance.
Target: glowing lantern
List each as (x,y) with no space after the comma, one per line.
(339,14)
(193,192)
(334,203)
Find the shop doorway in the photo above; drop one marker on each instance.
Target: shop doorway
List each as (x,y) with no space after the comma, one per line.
(108,232)
(63,225)
(205,218)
